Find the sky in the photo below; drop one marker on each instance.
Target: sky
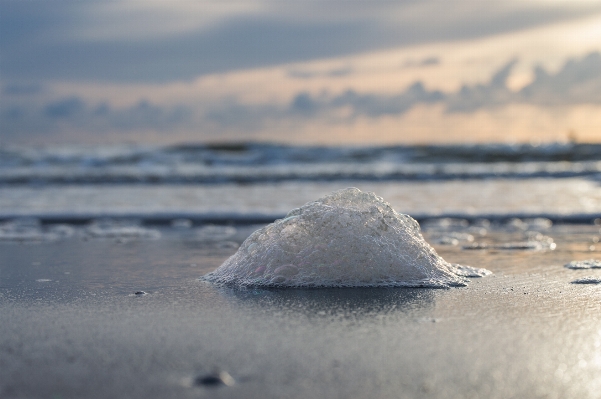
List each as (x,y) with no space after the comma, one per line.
(303,72)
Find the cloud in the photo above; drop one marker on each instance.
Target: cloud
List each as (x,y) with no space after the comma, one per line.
(331,73)
(378,105)
(143,20)
(242,44)
(424,62)
(303,106)
(75,114)
(367,104)
(577,82)
(65,108)
(149,41)
(22,89)
(495,92)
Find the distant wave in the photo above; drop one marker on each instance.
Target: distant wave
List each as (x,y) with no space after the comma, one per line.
(251,163)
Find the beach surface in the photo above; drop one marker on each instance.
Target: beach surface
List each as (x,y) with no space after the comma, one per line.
(97,315)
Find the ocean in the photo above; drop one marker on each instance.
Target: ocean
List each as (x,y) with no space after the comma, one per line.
(261,182)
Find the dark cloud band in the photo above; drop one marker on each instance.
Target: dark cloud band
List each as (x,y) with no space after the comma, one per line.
(44,40)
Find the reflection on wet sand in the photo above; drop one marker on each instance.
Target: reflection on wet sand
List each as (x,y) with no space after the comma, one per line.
(355,303)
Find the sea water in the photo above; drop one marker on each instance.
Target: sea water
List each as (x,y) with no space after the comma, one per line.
(246,182)
(123,191)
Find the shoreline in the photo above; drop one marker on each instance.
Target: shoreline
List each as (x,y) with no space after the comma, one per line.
(227,218)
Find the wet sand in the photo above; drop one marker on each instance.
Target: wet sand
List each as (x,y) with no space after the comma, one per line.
(72,325)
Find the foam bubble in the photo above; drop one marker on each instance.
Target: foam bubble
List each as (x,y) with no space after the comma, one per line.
(212,233)
(451,238)
(32,231)
(528,245)
(584,264)
(348,238)
(120,230)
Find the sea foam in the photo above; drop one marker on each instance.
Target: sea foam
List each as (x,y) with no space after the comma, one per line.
(584,264)
(348,238)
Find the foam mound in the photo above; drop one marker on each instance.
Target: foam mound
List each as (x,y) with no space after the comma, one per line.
(348,238)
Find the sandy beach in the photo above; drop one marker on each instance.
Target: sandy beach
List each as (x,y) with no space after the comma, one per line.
(73,325)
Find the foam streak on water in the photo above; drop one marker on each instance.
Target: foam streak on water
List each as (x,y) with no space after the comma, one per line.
(348,238)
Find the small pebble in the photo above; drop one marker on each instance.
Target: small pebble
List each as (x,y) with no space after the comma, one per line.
(587,280)
(215,379)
